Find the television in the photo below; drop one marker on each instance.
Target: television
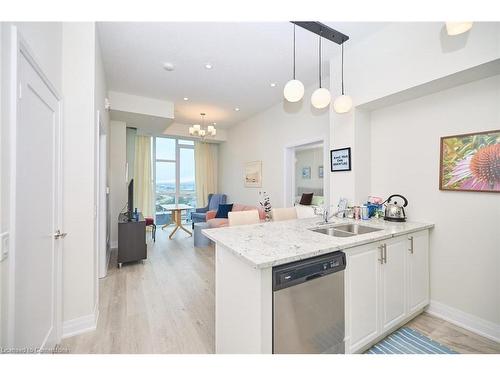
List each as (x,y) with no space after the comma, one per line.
(130,203)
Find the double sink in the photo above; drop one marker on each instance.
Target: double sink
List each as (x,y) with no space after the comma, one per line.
(345,230)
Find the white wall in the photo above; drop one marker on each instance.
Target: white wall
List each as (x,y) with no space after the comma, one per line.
(139,104)
(117,168)
(407,54)
(465,252)
(79,271)
(396,59)
(264,137)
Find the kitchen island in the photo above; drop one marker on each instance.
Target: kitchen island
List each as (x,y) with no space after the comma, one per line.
(379,294)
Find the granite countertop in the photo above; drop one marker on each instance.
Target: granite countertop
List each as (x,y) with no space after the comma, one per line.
(270,244)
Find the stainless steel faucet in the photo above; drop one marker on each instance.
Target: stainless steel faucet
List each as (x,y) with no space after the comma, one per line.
(327,216)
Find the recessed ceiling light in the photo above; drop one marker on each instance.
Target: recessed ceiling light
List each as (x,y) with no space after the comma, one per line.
(186,99)
(168,66)
(214,123)
(236,109)
(273,84)
(208,66)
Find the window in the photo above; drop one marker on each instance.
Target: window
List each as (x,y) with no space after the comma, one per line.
(165,149)
(174,175)
(187,189)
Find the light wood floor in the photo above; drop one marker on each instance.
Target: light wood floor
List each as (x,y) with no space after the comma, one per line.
(166,305)
(452,336)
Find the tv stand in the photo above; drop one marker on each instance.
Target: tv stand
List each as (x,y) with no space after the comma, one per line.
(131,239)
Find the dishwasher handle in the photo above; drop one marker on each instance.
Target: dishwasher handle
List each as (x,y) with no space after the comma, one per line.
(315,276)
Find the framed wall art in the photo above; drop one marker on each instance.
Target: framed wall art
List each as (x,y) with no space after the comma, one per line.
(306,173)
(340,159)
(470,162)
(253,174)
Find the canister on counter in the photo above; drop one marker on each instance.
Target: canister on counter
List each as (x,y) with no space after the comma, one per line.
(365,213)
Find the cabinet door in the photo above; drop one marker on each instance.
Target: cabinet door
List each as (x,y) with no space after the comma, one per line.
(393,282)
(362,275)
(418,270)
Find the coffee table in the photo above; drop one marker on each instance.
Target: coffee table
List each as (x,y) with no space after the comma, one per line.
(176,210)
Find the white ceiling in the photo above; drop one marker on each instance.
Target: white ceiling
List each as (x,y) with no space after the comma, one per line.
(246,58)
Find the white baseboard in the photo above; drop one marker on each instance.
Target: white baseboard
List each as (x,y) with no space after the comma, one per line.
(465,320)
(80,325)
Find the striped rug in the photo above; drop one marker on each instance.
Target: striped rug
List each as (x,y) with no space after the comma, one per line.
(408,341)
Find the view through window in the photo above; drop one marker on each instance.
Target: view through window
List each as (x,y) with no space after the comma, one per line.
(174,176)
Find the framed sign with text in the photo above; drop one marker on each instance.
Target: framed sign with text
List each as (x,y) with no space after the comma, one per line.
(340,159)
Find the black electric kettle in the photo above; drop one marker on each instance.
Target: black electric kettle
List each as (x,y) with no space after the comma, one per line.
(393,211)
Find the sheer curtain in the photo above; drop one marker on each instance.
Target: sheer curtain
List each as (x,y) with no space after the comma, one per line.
(143,177)
(206,170)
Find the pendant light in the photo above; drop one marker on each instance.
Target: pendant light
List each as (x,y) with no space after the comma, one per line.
(200,131)
(343,103)
(294,89)
(456,28)
(321,97)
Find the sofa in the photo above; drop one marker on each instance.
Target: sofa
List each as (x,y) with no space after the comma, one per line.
(200,215)
(214,222)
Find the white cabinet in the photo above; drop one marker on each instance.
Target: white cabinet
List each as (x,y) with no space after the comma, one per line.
(386,282)
(361,293)
(392,282)
(418,270)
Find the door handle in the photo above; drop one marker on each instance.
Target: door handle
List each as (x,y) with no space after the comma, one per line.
(385,253)
(58,234)
(381,259)
(411,244)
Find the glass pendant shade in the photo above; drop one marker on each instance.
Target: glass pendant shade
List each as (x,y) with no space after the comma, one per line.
(342,104)
(321,98)
(456,28)
(294,90)
(200,130)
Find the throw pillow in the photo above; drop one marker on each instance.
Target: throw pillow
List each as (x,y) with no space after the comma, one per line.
(306,199)
(223,210)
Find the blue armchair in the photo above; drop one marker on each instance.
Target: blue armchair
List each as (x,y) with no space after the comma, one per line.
(200,215)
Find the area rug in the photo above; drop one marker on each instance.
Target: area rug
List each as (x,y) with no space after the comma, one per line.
(408,341)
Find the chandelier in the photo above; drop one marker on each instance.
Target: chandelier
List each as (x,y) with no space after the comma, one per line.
(200,130)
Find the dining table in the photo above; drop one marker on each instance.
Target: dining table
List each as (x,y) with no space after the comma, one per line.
(176,210)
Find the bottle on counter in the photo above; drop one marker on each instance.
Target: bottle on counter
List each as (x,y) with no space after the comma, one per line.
(357,212)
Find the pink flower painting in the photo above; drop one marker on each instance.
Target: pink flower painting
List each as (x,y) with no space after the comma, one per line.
(471,162)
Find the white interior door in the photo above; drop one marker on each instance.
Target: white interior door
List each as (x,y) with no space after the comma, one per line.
(37,210)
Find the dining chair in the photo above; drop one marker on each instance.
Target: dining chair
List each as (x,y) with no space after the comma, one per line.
(287,213)
(243,217)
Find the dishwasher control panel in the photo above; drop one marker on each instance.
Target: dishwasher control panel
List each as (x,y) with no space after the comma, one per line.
(304,270)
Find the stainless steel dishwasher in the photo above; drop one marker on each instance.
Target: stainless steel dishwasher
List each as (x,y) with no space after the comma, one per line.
(308,305)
